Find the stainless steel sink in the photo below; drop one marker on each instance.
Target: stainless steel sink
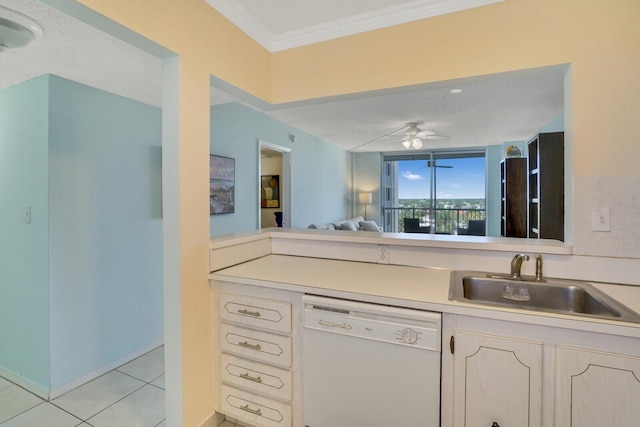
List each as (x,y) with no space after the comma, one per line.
(551,295)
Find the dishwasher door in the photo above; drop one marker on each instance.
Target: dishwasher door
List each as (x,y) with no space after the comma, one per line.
(369,365)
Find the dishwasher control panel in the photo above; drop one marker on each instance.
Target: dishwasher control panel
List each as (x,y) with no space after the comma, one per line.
(395,325)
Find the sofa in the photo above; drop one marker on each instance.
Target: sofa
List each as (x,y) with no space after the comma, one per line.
(357,223)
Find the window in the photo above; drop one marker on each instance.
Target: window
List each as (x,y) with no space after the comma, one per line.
(443,191)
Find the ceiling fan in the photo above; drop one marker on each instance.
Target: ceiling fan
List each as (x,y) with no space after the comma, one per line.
(432,163)
(412,136)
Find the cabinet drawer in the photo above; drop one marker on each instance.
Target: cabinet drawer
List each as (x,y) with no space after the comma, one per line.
(256,410)
(257,345)
(255,376)
(263,313)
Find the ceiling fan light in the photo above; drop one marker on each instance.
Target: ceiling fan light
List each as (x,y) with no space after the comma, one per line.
(406,144)
(417,144)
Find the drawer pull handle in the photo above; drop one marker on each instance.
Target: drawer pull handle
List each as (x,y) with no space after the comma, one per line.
(251,411)
(249,312)
(251,346)
(334,325)
(246,376)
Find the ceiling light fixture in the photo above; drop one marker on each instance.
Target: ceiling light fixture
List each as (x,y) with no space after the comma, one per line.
(17,30)
(415,143)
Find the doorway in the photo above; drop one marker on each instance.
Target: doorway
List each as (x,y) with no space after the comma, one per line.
(274,189)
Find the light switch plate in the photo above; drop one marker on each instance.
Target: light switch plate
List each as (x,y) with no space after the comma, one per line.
(27,214)
(601,219)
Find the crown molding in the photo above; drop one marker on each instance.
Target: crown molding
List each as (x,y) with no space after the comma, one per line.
(244,20)
(382,18)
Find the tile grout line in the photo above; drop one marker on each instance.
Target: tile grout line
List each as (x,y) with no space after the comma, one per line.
(23,412)
(104,409)
(82,420)
(147,383)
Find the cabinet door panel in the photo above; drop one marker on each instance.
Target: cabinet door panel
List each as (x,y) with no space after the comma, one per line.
(596,389)
(497,380)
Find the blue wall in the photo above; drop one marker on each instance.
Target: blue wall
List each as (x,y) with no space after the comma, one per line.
(24,293)
(98,293)
(320,181)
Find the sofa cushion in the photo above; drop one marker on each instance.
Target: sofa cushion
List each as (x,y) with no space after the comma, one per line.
(322,226)
(348,225)
(370,226)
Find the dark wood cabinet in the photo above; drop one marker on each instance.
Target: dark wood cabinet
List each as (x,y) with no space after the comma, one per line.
(513,192)
(546,186)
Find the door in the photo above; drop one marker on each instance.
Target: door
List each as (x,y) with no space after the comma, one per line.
(445,191)
(596,389)
(274,185)
(496,380)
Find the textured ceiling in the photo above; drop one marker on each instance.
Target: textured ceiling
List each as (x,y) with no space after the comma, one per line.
(489,111)
(79,52)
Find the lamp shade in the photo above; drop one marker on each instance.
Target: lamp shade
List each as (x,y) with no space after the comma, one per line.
(365,198)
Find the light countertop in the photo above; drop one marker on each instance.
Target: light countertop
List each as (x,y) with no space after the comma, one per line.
(503,244)
(414,287)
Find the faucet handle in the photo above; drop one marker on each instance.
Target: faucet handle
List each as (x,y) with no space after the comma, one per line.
(516,264)
(539,268)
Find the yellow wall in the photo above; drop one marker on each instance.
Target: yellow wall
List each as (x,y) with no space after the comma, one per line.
(207,44)
(599,38)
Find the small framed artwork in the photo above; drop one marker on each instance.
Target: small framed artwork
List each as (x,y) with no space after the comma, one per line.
(222,185)
(270,191)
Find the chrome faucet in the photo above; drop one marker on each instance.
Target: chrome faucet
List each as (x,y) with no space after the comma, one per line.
(539,268)
(516,265)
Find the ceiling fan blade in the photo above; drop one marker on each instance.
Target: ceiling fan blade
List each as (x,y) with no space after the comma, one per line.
(437,137)
(425,133)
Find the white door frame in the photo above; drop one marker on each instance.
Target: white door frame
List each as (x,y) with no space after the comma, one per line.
(285,182)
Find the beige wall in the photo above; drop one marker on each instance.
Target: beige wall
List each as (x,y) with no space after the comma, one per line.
(600,39)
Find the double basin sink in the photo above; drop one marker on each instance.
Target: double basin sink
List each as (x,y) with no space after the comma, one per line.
(548,295)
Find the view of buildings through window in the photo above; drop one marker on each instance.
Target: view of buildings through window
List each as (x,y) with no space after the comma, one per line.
(449,199)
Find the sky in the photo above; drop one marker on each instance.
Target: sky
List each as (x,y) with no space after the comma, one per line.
(465,180)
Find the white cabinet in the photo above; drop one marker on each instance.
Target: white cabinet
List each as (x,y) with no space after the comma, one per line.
(518,374)
(255,409)
(596,389)
(258,345)
(497,380)
(256,312)
(256,377)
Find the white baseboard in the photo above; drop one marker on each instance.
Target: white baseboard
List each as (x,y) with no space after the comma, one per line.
(24,382)
(59,391)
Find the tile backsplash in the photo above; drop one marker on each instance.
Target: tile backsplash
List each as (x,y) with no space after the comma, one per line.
(622,195)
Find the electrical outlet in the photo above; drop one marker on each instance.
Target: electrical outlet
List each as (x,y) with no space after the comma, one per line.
(383,254)
(601,219)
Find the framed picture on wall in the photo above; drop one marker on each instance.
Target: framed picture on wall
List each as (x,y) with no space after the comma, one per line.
(222,185)
(270,191)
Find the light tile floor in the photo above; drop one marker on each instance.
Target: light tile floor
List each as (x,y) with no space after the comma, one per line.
(129,396)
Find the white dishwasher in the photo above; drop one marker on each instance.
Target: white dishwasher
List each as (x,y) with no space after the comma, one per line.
(369,365)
